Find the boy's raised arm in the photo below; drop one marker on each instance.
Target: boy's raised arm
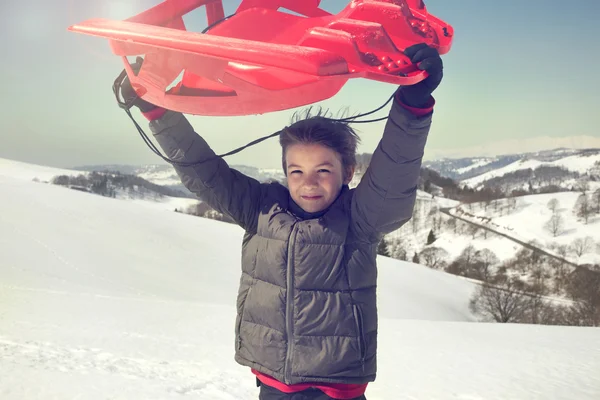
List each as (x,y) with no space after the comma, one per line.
(224,189)
(384,199)
(214,182)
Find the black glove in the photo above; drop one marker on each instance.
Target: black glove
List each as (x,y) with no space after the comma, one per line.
(129,94)
(427,58)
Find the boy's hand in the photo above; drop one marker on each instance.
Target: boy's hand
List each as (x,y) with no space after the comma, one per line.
(427,58)
(129,94)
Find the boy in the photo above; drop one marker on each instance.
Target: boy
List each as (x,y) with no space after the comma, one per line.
(306,309)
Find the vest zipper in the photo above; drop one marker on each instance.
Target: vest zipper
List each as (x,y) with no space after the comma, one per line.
(289,310)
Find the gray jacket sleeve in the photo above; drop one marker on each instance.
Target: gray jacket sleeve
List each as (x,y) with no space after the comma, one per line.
(214,182)
(384,199)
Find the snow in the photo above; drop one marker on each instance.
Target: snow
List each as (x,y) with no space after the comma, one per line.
(574,163)
(165,174)
(578,163)
(160,176)
(527,223)
(30,171)
(27,171)
(512,167)
(455,244)
(453,241)
(476,164)
(444,202)
(106,298)
(161,202)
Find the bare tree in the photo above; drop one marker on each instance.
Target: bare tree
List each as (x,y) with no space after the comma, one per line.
(485,259)
(434,257)
(473,230)
(416,218)
(583,185)
(501,304)
(468,254)
(584,288)
(540,275)
(461,265)
(512,203)
(437,222)
(397,250)
(559,267)
(559,277)
(582,208)
(452,225)
(581,246)
(561,249)
(596,201)
(553,205)
(555,224)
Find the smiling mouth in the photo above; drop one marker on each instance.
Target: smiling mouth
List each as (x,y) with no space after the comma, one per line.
(311,197)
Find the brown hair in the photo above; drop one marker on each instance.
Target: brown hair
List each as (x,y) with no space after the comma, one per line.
(308,128)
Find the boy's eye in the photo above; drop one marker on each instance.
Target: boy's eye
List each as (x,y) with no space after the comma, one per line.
(295,171)
(323,170)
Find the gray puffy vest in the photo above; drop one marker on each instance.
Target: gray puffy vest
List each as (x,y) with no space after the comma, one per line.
(307,300)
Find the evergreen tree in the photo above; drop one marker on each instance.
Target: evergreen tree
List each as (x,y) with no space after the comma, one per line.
(431,237)
(415,258)
(383,249)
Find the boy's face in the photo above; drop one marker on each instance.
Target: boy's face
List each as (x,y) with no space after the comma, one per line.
(314,175)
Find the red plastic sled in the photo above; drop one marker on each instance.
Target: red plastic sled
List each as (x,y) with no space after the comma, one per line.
(261,59)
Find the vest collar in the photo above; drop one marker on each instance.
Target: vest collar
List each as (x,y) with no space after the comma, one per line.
(304,215)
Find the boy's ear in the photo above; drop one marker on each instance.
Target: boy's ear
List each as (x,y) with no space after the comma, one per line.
(349,175)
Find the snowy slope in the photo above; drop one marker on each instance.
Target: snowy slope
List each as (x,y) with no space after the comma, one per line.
(27,171)
(165,175)
(476,163)
(575,163)
(22,170)
(412,237)
(527,222)
(101,298)
(475,171)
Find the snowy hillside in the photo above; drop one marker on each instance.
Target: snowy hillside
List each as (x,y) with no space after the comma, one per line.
(463,168)
(560,167)
(519,238)
(535,219)
(103,298)
(165,175)
(451,236)
(28,171)
(136,194)
(578,164)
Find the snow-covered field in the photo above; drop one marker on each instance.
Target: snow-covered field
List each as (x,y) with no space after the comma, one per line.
(527,222)
(476,164)
(160,175)
(574,163)
(28,171)
(451,240)
(103,298)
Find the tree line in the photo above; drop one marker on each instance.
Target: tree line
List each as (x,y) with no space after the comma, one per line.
(109,183)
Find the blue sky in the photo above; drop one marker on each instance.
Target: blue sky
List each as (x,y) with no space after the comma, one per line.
(518,70)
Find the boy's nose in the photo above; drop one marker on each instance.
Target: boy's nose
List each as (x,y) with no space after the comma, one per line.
(311,180)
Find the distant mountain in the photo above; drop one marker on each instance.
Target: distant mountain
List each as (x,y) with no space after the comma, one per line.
(165,175)
(550,170)
(461,179)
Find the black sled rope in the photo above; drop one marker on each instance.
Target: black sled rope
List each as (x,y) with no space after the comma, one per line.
(127,107)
